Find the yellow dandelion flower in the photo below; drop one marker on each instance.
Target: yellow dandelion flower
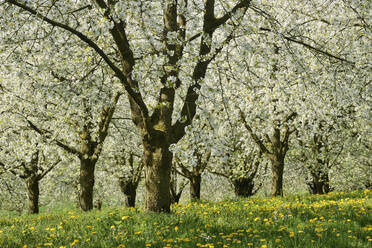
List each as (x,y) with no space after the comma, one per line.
(74,242)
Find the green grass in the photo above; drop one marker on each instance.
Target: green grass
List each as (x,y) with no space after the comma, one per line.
(333,220)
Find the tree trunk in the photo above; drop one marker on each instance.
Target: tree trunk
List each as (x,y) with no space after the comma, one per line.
(195,182)
(128,188)
(243,187)
(277,167)
(175,197)
(319,183)
(158,164)
(86,184)
(33,195)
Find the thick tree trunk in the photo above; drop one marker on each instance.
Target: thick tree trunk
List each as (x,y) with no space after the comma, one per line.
(129,189)
(86,184)
(158,164)
(319,183)
(277,167)
(33,195)
(195,182)
(243,187)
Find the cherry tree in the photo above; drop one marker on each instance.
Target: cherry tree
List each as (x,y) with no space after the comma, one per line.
(240,162)
(192,154)
(26,156)
(122,158)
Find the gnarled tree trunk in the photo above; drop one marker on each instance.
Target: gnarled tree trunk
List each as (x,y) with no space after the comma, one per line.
(277,167)
(129,189)
(175,197)
(86,180)
(319,183)
(158,164)
(33,195)
(195,181)
(243,187)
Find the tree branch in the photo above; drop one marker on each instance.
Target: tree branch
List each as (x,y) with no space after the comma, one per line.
(318,50)
(253,135)
(242,4)
(41,176)
(67,148)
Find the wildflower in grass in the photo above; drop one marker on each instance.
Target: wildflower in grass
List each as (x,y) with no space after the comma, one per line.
(277,240)
(121,246)
(124,217)
(48,244)
(291,234)
(74,242)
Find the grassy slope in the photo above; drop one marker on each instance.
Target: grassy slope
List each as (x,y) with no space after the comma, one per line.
(334,220)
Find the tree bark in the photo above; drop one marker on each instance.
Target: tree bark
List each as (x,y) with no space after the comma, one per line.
(277,167)
(195,181)
(319,183)
(129,189)
(86,184)
(158,164)
(243,187)
(33,195)
(175,197)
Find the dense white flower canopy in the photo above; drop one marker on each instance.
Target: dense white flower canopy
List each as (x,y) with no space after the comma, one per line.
(303,66)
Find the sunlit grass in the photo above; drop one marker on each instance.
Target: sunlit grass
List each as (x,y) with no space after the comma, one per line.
(333,220)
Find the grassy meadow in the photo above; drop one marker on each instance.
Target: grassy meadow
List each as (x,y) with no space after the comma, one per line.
(334,220)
